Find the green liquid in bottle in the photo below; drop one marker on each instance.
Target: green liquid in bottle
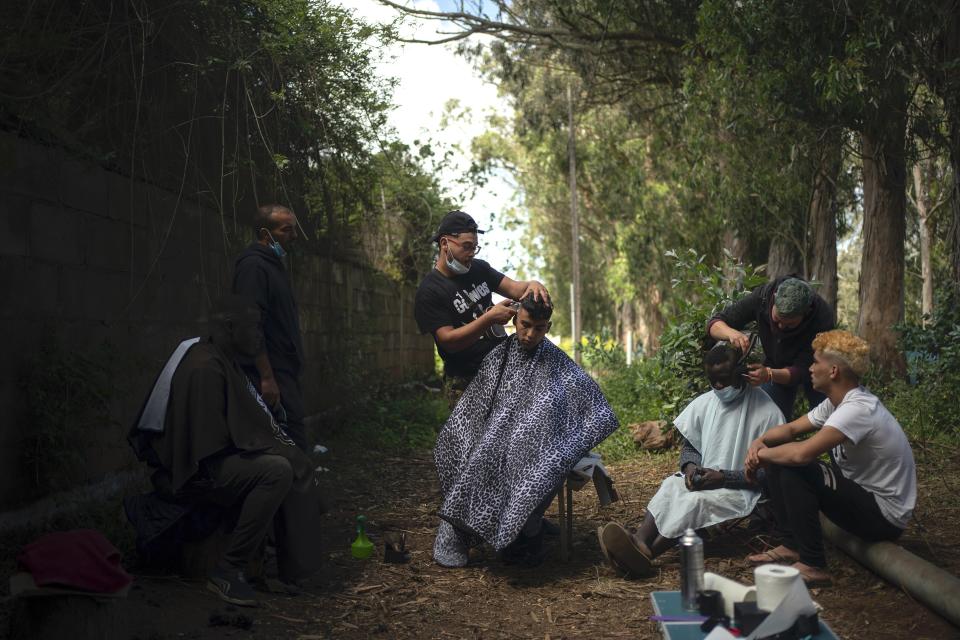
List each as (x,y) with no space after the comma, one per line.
(361,547)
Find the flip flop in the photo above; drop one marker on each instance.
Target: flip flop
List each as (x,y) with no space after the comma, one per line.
(813,577)
(623,551)
(770,556)
(611,562)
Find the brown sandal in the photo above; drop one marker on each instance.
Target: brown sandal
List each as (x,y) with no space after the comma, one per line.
(619,546)
(775,556)
(611,562)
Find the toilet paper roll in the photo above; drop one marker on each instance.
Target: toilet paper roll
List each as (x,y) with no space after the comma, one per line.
(731,590)
(773,582)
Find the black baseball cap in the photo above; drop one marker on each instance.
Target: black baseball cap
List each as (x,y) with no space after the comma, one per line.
(456,222)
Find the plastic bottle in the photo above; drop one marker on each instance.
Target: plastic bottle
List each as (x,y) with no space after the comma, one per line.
(691,569)
(361,547)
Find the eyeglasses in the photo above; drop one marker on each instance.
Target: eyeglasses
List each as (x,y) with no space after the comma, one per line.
(469,247)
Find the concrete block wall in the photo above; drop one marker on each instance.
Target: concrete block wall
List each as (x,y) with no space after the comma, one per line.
(91,257)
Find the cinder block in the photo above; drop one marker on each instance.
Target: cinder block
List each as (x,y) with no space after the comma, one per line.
(25,168)
(82,186)
(28,288)
(106,243)
(55,233)
(14,225)
(123,197)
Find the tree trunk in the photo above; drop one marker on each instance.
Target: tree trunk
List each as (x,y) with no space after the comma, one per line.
(823,220)
(954,239)
(884,228)
(944,76)
(783,257)
(650,324)
(737,247)
(922,197)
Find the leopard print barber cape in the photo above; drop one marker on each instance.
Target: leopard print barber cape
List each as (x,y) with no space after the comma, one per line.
(523,423)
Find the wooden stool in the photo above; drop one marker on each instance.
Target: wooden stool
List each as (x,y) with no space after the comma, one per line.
(565,507)
(575,482)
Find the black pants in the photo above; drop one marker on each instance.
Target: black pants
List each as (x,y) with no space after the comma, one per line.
(292,400)
(797,494)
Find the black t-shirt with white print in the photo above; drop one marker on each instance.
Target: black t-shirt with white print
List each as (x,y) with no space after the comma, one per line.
(455,302)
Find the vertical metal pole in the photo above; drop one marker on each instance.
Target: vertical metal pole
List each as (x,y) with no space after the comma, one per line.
(561,508)
(569,490)
(574,227)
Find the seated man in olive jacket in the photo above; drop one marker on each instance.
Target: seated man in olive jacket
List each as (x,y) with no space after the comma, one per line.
(212,440)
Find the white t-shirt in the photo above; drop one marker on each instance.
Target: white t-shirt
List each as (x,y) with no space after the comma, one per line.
(877,455)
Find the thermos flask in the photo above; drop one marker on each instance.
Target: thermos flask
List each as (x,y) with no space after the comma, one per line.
(691,569)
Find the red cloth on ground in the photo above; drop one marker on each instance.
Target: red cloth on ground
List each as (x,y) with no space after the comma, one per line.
(81,559)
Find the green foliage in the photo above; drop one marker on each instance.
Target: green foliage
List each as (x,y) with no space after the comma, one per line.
(68,394)
(646,390)
(396,420)
(924,403)
(701,289)
(933,349)
(601,353)
(230,104)
(659,387)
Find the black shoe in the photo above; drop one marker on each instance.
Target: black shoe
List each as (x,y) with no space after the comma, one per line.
(525,551)
(550,528)
(232,587)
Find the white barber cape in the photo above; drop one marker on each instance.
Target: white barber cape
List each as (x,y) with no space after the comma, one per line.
(722,433)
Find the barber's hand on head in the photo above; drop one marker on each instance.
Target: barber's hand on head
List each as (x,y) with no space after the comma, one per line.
(538,291)
(759,375)
(502,312)
(738,340)
(269,391)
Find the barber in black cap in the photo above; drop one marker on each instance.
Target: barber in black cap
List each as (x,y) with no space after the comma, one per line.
(455,301)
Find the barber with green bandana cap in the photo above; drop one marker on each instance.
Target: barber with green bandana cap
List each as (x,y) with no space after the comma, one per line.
(454,302)
(788,314)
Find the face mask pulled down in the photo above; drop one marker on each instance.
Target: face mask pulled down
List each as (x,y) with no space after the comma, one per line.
(455,265)
(277,248)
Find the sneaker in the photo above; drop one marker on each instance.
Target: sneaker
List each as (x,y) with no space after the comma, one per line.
(232,587)
(526,551)
(449,549)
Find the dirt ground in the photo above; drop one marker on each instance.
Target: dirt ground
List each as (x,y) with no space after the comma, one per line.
(579,599)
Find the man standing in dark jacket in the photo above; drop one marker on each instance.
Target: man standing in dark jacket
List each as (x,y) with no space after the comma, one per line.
(789,315)
(261,276)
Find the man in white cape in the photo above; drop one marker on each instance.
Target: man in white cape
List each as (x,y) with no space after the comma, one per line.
(717,428)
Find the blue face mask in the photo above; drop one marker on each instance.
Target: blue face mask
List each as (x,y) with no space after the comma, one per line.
(729,394)
(277,249)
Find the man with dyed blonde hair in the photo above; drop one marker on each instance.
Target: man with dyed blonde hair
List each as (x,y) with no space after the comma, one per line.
(869,488)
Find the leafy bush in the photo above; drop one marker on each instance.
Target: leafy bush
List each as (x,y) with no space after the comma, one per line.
(646,390)
(394,419)
(923,402)
(700,290)
(659,387)
(68,393)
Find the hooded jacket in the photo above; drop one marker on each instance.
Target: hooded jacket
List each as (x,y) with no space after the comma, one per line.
(791,349)
(260,275)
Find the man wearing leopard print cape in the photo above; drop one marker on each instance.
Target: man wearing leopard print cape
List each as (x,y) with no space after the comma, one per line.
(526,419)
